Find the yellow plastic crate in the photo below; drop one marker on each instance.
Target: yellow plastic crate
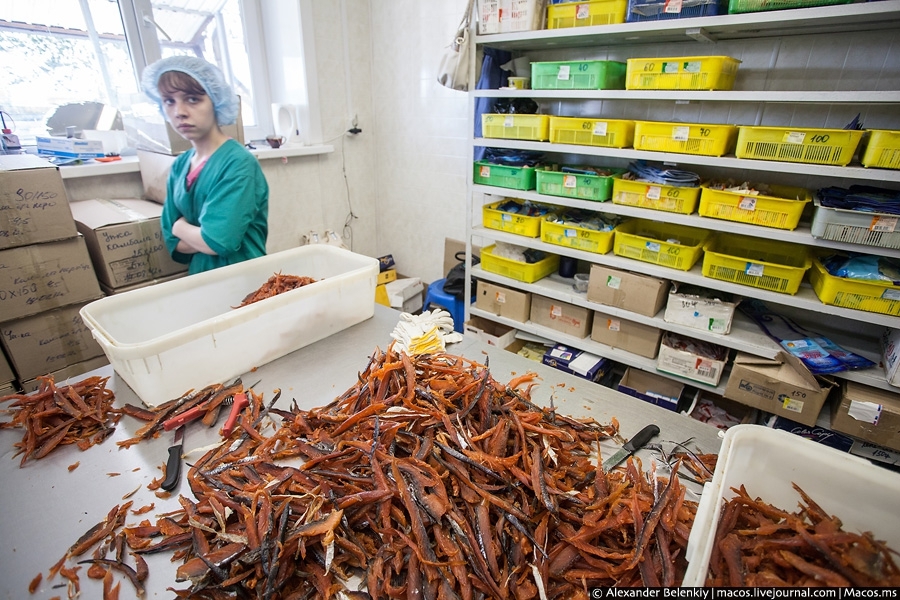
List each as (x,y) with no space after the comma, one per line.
(511,222)
(655,196)
(516,127)
(685,138)
(585,14)
(781,210)
(520,271)
(681,73)
(755,262)
(796,144)
(606,133)
(572,236)
(883,149)
(870,296)
(664,244)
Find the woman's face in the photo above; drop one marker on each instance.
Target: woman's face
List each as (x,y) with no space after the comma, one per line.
(191,115)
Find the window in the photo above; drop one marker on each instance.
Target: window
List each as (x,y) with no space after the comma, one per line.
(59,52)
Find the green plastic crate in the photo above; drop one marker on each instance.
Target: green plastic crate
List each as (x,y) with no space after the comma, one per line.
(575,185)
(516,178)
(578,75)
(746,6)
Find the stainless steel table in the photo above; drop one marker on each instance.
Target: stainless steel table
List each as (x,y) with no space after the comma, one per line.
(46,508)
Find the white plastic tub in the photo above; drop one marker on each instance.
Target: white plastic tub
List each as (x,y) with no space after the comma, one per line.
(766,461)
(168,338)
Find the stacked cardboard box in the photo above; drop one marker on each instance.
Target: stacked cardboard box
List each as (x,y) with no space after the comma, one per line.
(46,273)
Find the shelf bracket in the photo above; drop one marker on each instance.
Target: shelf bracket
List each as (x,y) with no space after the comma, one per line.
(700,34)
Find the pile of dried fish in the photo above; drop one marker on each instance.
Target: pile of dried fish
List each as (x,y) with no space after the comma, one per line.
(757,544)
(427,478)
(277,284)
(80,414)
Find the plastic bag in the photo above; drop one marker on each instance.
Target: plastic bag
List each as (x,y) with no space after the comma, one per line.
(455,70)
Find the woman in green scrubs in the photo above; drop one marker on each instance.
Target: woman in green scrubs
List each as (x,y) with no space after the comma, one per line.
(217,200)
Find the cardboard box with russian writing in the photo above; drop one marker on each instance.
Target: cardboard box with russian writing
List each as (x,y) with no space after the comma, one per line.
(125,240)
(576,362)
(868,413)
(890,355)
(692,359)
(503,301)
(48,341)
(33,203)
(700,308)
(623,289)
(783,387)
(69,147)
(651,388)
(561,316)
(489,332)
(68,375)
(6,372)
(147,129)
(111,291)
(623,334)
(45,276)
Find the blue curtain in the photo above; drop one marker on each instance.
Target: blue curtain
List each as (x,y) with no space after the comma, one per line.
(492,78)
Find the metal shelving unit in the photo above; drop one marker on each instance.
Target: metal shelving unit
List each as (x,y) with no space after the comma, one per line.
(745,335)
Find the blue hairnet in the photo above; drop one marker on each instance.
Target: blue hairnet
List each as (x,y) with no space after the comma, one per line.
(224,100)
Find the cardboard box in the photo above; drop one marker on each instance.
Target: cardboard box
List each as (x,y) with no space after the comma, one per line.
(890,355)
(528,349)
(699,308)
(576,362)
(6,372)
(401,291)
(630,291)
(875,452)
(691,359)
(121,290)
(147,129)
(7,389)
(816,432)
(42,277)
(651,388)
(155,168)
(561,316)
(636,338)
(720,412)
(503,301)
(71,374)
(783,387)
(489,332)
(868,413)
(69,147)
(48,341)
(125,240)
(34,206)
(386,276)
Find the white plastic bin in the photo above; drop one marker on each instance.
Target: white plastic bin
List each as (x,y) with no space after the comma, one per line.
(766,461)
(856,227)
(168,338)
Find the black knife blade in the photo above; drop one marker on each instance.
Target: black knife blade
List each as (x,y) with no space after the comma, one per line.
(637,442)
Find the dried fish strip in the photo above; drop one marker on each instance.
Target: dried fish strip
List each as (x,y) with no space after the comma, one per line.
(276,284)
(757,544)
(80,413)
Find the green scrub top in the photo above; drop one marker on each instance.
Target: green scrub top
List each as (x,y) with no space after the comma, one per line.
(229,201)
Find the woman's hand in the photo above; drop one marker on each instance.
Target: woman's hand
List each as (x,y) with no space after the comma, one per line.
(190,239)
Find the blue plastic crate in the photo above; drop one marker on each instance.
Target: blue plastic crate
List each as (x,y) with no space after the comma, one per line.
(660,10)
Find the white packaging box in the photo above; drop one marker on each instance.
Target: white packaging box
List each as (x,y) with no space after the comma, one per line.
(890,355)
(69,147)
(699,311)
(166,339)
(400,291)
(767,461)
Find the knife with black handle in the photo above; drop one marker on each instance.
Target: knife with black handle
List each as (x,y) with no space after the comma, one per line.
(173,464)
(637,442)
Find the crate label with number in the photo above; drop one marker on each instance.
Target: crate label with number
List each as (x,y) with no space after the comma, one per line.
(652,246)
(600,127)
(673,7)
(794,137)
(884,224)
(509,121)
(670,67)
(692,66)
(563,74)
(484,171)
(583,11)
(754,269)
(653,192)
(570,181)
(747,203)
(570,233)
(506,217)
(681,134)
(613,282)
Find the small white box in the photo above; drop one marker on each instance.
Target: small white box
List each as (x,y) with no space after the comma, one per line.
(69,147)
(890,352)
(705,367)
(767,461)
(166,339)
(699,309)
(401,290)
(489,332)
